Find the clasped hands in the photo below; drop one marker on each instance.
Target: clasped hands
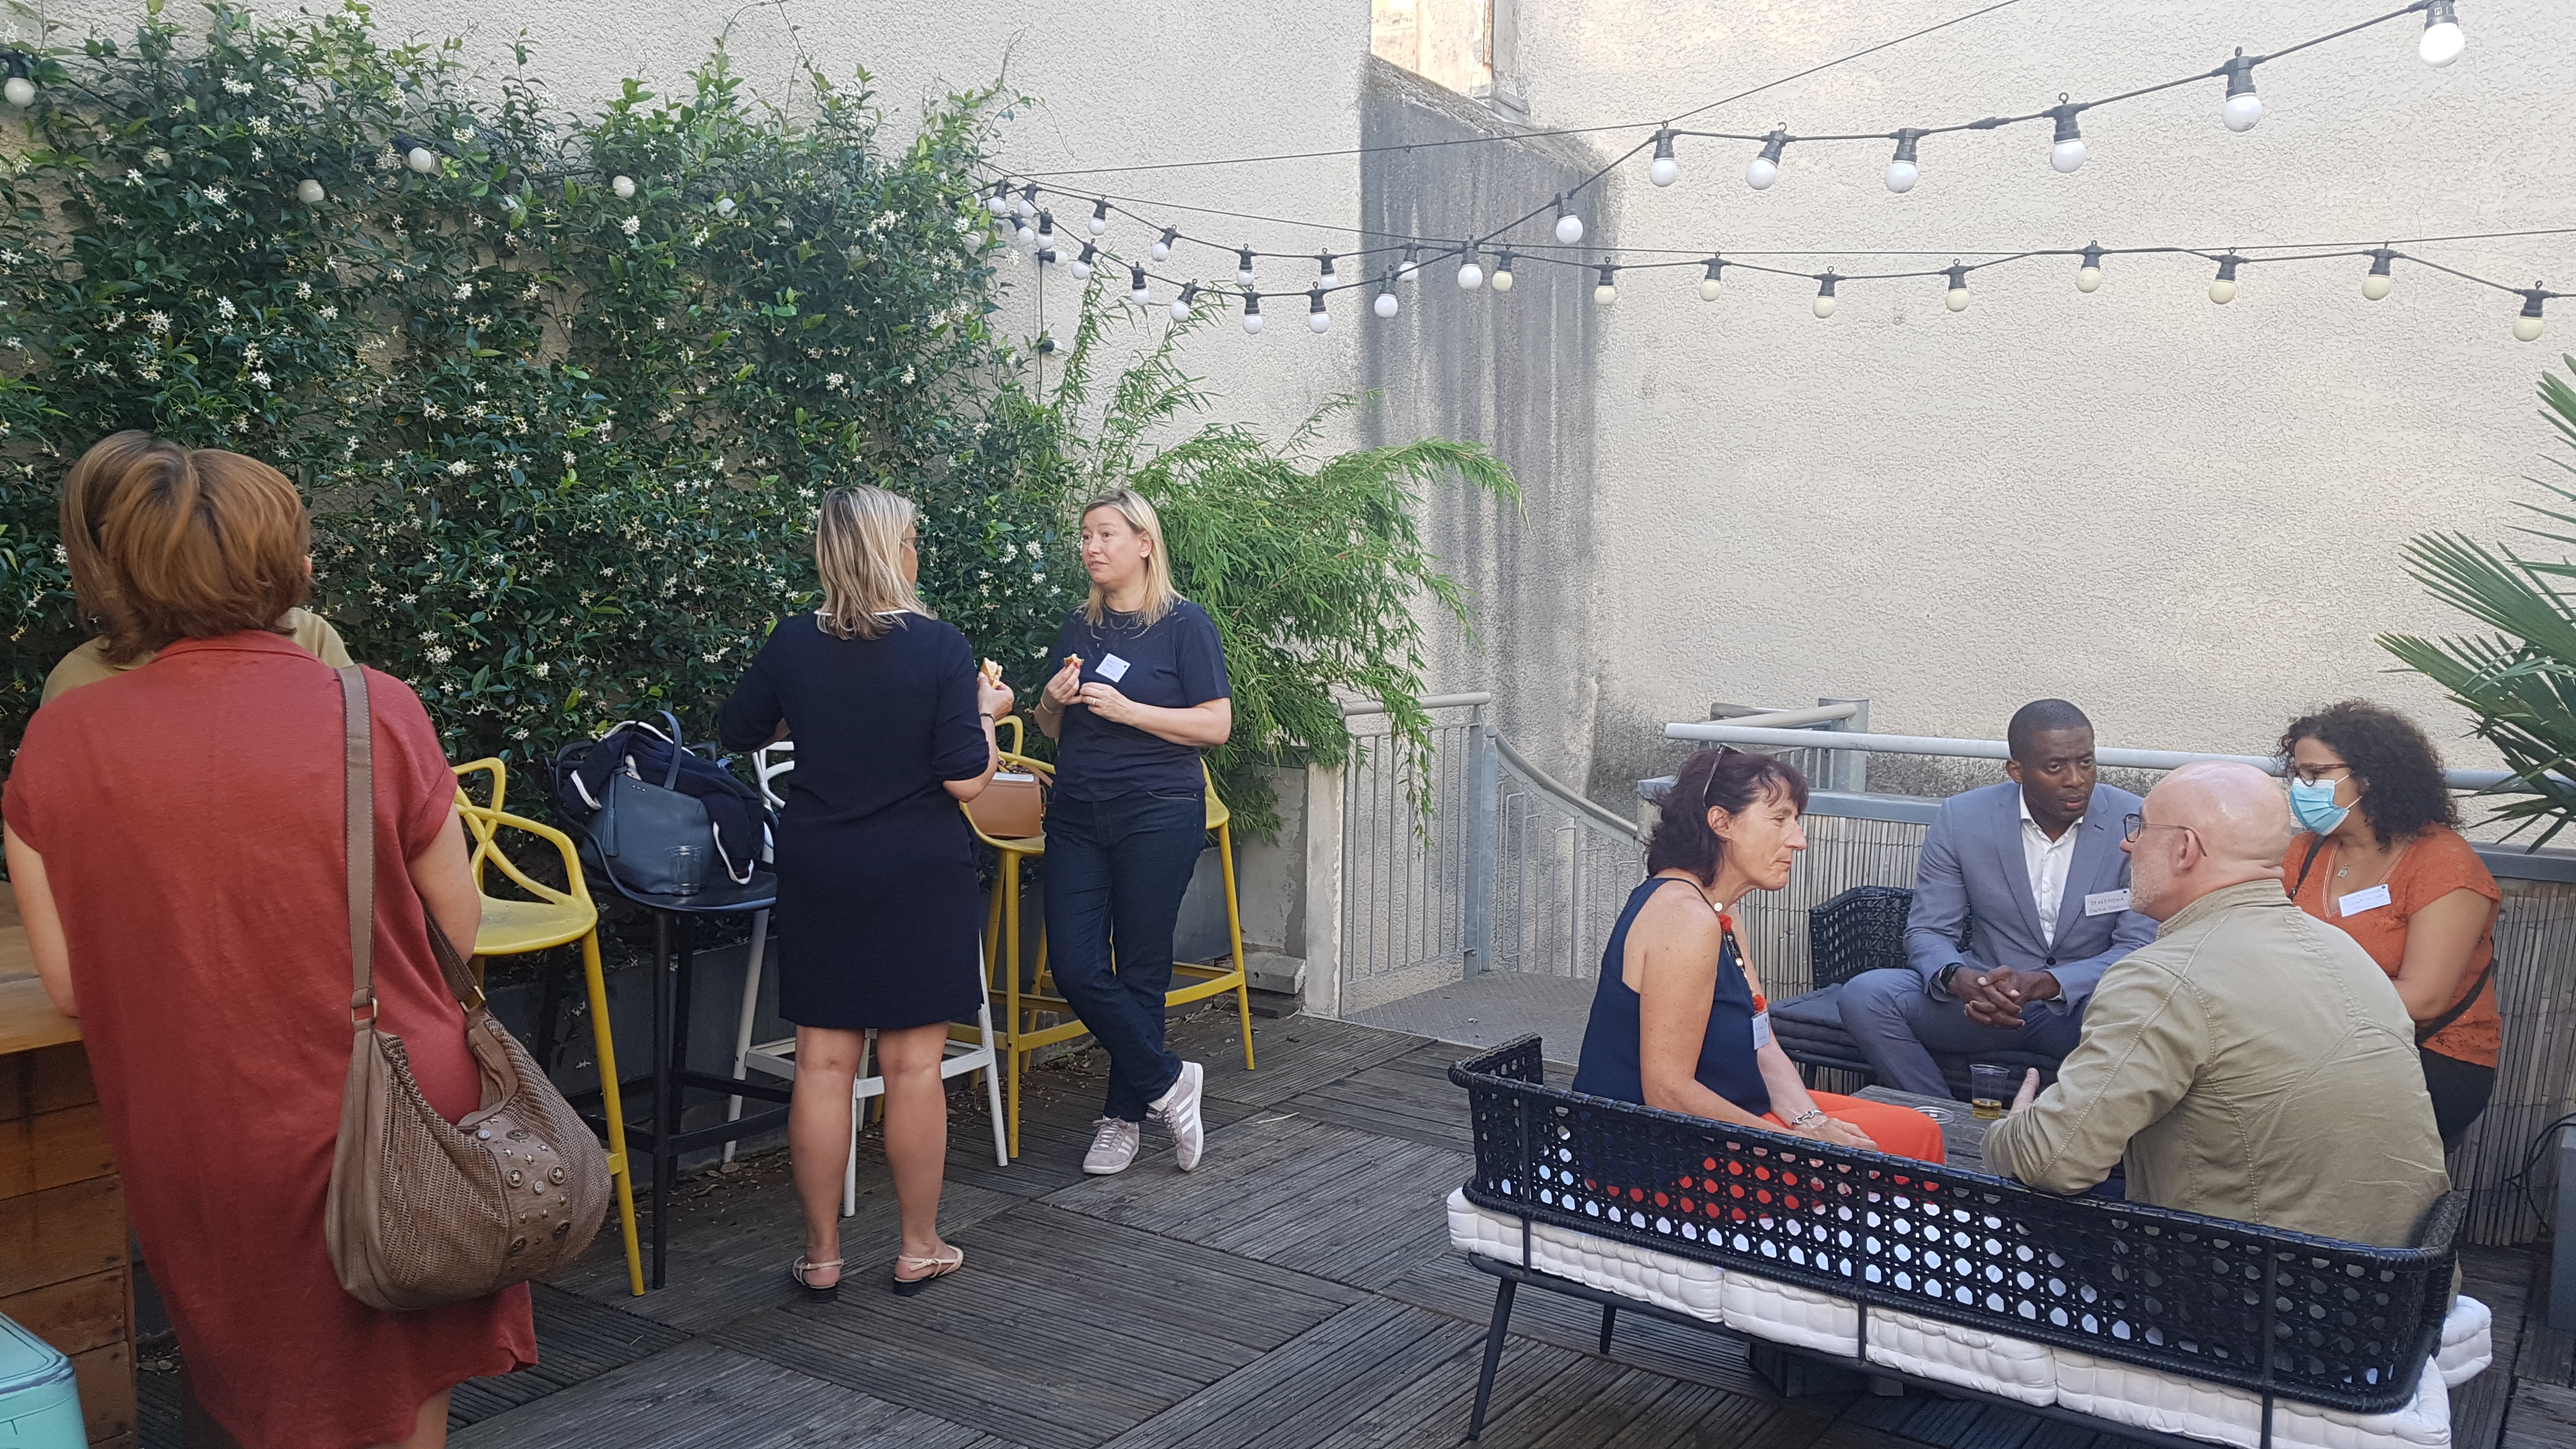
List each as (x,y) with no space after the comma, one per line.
(1994,996)
(1066,688)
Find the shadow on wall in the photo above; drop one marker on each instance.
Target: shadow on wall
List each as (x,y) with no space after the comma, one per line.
(1514,371)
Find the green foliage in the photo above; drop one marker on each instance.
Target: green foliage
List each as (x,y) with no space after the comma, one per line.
(2519,682)
(563,446)
(1312,567)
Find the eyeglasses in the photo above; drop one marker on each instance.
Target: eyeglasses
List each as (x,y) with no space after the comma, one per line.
(1710,787)
(2133,826)
(2317,774)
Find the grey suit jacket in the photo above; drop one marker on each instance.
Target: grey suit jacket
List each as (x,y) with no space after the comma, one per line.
(1972,870)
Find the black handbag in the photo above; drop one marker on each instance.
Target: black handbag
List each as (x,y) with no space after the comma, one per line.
(641,794)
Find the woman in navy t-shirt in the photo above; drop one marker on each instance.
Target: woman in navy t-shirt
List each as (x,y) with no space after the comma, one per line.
(1136,691)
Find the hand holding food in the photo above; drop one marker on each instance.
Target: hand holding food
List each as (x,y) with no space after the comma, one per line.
(992,696)
(1066,687)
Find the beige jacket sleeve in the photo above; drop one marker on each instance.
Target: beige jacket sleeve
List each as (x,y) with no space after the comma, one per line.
(2146,1035)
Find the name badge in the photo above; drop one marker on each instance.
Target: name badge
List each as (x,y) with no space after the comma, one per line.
(1111,668)
(1761,1030)
(2360,901)
(2106,903)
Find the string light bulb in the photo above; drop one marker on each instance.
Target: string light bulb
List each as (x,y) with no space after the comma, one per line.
(1956,299)
(415,155)
(1569,227)
(1386,304)
(1325,275)
(1243,266)
(1082,264)
(1712,284)
(1765,168)
(623,188)
(2442,41)
(1137,291)
(1502,278)
(1100,217)
(1027,204)
(1181,304)
(1412,267)
(2243,108)
(2223,290)
(725,206)
(2067,151)
(1252,314)
(1606,291)
(2088,277)
(2526,328)
(1470,275)
(1664,170)
(1045,239)
(1162,248)
(309,191)
(1823,306)
(1027,233)
(2376,285)
(1317,319)
(998,203)
(1902,173)
(20,89)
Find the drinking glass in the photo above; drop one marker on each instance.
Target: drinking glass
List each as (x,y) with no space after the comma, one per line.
(1990,1087)
(688,869)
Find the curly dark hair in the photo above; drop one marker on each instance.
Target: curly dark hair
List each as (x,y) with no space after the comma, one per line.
(2388,754)
(1682,838)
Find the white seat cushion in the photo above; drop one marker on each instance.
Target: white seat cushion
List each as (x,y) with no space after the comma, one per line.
(2171,1404)
(2468,1344)
(1973,1357)
(1601,1263)
(1788,1314)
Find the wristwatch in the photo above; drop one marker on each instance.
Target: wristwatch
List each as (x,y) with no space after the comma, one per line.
(1942,978)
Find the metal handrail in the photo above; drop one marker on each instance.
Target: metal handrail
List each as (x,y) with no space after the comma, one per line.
(1729,732)
(1781,719)
(1548,785)
(1354,708)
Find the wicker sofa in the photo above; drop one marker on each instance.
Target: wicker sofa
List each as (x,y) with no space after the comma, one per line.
(2155,1324)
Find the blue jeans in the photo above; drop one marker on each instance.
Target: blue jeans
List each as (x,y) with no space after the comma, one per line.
(1116,869)
(1898,1026)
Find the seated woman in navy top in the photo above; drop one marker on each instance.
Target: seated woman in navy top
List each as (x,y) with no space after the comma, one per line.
(1678,1021)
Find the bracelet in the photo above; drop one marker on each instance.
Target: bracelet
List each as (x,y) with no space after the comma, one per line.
(985,717)
(1812,1114)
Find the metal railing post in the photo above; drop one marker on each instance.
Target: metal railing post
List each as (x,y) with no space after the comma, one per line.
(1484,781)
(1327,930)
(1850,771)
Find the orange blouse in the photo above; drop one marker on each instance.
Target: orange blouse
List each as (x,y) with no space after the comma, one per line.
(2436,864)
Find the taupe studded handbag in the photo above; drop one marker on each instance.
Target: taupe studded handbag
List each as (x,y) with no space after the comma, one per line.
(424,1212)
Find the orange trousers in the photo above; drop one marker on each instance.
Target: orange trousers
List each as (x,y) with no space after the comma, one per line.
(1900,1131)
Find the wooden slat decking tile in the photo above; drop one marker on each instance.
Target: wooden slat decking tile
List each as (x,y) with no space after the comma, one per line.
(577,1339)
(1409,1096)
(704,1396)
(1057,1108)
(2543,1416)
(2502,1279)
(1305,1393)
(1304,1053)
(1018,1343)
(1433,1409)
(1997,1427)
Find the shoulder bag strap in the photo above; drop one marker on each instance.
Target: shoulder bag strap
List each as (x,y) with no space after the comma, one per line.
(671,781)
(357,734)
(2313,847)
(2459,1008)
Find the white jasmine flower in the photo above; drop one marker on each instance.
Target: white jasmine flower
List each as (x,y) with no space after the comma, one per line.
(259,125)
(440,654)
(256,154)
(251,353)
(463,134)
(567,460)
(304,291)
(415,598)
(429,636)
(260,377)
(224,307)
(217,195)
(541,669)
(631,225)
(156,157)
(465,291)
(460,467)
(236,88)
(833,380)
(907,377)
(133,177)
(329,314)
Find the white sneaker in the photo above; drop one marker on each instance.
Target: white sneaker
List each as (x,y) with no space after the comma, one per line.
(1179,1110)
(1114,1142)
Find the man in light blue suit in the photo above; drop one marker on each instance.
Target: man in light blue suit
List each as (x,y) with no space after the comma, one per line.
(2029,875)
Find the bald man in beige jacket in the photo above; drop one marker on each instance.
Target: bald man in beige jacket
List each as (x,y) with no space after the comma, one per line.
(2252,1063)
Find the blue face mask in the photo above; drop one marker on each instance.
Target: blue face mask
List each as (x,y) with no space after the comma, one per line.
(2312,805)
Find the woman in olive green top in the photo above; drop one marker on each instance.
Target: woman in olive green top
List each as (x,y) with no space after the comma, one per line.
(85,500)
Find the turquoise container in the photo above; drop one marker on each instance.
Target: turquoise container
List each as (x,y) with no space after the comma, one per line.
(39,1404)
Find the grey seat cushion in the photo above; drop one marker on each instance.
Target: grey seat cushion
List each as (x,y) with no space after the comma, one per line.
(1810,1029)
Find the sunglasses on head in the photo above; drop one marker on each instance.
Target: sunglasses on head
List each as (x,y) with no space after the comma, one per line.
(1710,785)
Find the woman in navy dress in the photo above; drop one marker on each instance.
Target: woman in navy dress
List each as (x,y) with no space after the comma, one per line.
(877,910)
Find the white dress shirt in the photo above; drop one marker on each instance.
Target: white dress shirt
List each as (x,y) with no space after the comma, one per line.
(2048,862)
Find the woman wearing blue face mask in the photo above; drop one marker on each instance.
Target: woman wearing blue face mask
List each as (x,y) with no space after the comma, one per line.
(2377,856)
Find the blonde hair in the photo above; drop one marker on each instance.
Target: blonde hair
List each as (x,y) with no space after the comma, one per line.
(1139,514)
(858,553)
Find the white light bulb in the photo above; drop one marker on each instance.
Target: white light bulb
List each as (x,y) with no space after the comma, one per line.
(1081,270)
(2088,279)
(1022,206)
(2241,112)
(1956,299)
(20,91)
(1824,307)
(624,187)
(2525,329)
(1180,310)
(309,191)
(724,206)
(1318,321)
(1251,322)
(1412,268)
(1665,171)
(1470,277)
(2222,292)
(1709,287)
(2375,286)
(1385,305)
(1100,226)
(1761,173)
(2440,46)
(1569,228)
(422,159)
(1502,279)
(1328,279)
(1243,275)
(1901,176)
(1162,248)
(2067,155)
(1605,294)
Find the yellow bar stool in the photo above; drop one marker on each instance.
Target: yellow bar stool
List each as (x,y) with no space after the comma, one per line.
(1193,982)
(1019,1034)
(514,926)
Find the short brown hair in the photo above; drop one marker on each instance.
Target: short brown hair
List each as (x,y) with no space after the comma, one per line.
(182,543)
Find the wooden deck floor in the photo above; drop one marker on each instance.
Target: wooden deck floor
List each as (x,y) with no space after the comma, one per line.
(1298,1290)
